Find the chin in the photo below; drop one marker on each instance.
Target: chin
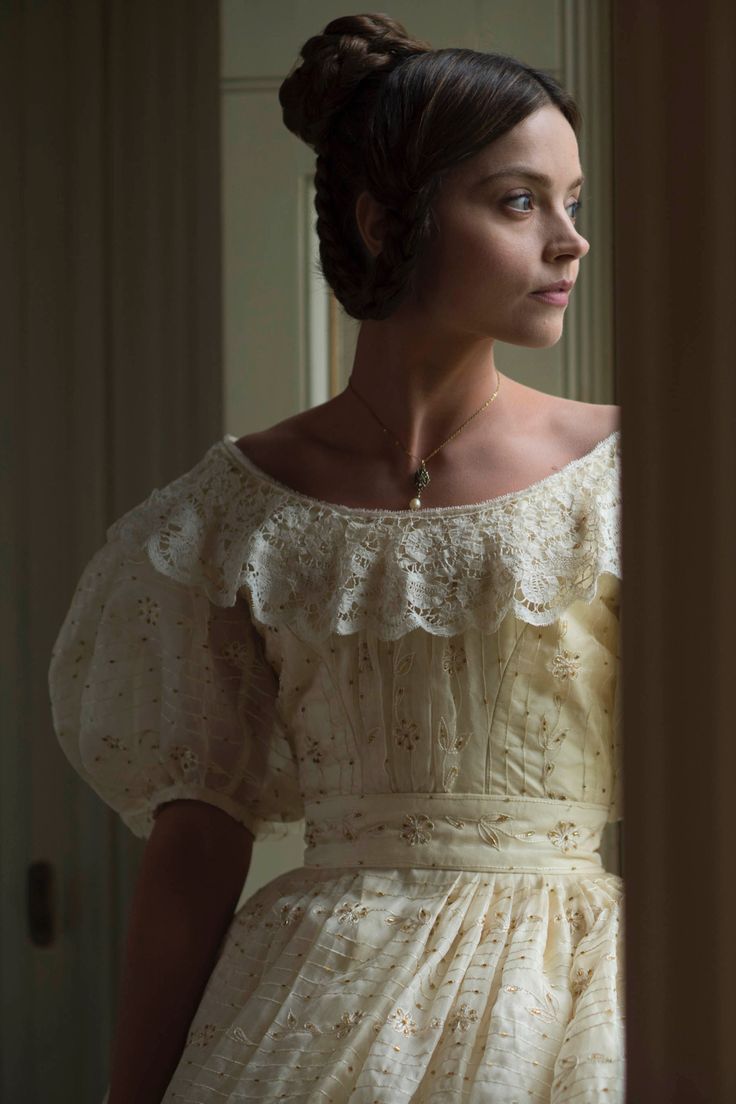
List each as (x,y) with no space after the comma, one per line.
(536,340)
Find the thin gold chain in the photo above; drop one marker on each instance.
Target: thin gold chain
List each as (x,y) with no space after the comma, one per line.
(413,456)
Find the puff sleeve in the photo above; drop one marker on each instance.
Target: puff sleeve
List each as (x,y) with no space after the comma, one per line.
(159,693)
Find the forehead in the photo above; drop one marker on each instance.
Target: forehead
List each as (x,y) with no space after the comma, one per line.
(543,142)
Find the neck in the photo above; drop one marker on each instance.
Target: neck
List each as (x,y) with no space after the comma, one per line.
(422,388)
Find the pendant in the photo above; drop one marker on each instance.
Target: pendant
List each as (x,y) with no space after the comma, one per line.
(421,480)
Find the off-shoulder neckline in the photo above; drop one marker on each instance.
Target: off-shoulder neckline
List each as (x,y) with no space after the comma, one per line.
(227,443)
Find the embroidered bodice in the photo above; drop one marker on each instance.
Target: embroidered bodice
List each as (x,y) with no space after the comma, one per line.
(250,645)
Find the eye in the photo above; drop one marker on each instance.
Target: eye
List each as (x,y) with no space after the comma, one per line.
(576,203)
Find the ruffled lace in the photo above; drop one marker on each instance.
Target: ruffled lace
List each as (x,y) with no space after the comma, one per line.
(320,568)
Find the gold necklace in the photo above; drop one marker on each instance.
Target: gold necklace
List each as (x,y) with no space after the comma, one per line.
(421,475)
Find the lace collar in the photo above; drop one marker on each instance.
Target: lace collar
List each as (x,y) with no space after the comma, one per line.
(322,568)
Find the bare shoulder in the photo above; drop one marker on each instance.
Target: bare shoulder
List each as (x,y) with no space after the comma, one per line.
(583,425)
(282,450)
(561,426)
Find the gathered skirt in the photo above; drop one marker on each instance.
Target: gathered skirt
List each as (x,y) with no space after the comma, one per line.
(414,986)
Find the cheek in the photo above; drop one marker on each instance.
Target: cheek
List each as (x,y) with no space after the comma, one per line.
(473,258)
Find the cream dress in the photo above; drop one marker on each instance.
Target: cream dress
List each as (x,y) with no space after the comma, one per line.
(434,695)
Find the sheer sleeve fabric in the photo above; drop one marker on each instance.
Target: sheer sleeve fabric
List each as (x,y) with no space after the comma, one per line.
(158,694)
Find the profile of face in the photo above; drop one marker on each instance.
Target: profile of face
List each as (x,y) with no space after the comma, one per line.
(502,238)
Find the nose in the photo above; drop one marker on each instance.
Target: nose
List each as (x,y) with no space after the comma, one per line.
(582,245)
(570,244)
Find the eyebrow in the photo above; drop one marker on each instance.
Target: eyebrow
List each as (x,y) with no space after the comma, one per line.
(530,174)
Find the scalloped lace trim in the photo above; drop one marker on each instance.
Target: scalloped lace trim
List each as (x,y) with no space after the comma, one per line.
(323,568)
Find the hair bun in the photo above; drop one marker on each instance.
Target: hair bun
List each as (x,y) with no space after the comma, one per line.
(334,63)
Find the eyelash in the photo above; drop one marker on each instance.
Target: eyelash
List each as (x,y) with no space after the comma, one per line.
(527,195)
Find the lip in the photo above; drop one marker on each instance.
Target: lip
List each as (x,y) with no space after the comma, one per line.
(558,285)
(554,298)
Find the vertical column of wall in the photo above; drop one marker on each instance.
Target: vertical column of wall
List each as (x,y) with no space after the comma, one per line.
(675,274)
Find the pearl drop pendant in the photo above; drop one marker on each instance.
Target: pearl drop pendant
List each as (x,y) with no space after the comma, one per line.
(421,480)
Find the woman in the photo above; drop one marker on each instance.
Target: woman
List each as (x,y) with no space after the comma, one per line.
(396,616)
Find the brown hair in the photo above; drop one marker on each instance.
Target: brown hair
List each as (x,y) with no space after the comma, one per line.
(388,114)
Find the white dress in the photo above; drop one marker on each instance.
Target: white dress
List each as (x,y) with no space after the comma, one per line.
(434,694)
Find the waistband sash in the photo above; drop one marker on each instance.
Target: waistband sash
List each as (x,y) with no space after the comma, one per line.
(451,831)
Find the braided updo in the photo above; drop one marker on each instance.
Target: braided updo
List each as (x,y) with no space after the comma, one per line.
(386,113)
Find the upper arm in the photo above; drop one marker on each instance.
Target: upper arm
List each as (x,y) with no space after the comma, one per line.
(199,833)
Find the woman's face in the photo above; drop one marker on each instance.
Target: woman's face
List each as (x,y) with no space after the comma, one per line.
(503,238)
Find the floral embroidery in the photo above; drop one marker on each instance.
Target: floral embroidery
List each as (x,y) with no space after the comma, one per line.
(348,828)
(565,836)
(347,1022)
(341,1029)
(237,653)
(402,1021)
(406,734)
(489,835)
(291,1023)
(348,831)
(547,739)
(463,1018)
(184,756)
(565,665)
(201,1036)
(417,829)
(501,927)
(580,981)
(573,1061)
(454,657)
(548,1014)
(287,915)
(365,666)
(403,666)
(315,751)
(251,918)
(409,923)
(450,742)
(449,778)
(149,610)
(350,913)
